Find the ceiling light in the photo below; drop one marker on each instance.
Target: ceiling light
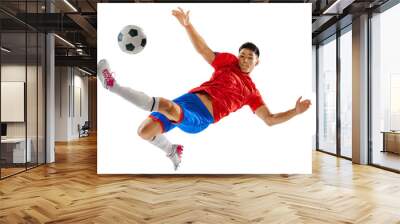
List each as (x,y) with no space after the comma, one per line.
(5,50)
(86,72)
(70,5)
(64,40)
(338,6)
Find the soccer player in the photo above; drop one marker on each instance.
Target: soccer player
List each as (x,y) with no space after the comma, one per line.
(229,88)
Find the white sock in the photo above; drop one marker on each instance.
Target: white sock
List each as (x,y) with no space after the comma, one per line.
(162,142)
(138,98)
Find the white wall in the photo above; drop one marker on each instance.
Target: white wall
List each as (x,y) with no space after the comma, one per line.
(80,83)
(16,73)
(314,85)
(61,103)
(283,74)
(71,93)
(34,124)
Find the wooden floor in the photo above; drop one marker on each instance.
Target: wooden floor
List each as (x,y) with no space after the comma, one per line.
(387,159)
(70,191)
(5,172)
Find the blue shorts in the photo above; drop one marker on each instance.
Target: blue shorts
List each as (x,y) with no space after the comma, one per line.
(194,118)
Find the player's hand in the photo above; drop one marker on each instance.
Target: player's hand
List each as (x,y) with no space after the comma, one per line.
(302,106)
(183,17)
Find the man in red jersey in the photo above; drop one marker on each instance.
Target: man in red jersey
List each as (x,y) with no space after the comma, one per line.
(229,88)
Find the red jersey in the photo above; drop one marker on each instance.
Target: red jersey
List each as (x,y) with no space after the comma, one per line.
(229,87)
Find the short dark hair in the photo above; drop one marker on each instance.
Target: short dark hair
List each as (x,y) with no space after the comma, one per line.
(250,46)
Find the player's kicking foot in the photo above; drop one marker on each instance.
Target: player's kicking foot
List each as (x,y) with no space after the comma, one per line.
(104,74)
(176,155)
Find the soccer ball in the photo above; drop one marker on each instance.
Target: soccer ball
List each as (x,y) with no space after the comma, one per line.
(132,39)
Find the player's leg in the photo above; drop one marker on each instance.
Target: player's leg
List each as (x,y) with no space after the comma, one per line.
(138,98)
(170,109)
(151,130)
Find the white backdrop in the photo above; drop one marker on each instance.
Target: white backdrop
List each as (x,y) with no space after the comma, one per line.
(169,66)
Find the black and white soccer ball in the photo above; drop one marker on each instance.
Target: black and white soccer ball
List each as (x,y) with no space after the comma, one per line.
(132,39)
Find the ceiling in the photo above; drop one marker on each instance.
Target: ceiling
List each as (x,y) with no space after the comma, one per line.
(76,22)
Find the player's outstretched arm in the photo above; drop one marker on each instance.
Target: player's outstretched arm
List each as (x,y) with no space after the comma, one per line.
(273,119)
(197,41)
